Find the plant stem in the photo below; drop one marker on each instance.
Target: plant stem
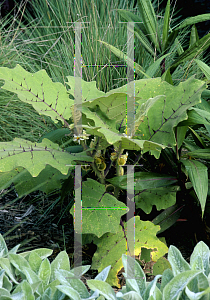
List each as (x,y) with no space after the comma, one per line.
(120,150)
(94,166)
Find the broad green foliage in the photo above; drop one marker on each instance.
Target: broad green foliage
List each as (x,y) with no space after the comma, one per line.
(47,181)
(150,189)
(160,109)
(48,98)
(167,111)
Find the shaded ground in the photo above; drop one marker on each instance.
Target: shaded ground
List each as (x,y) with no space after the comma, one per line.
(24,223)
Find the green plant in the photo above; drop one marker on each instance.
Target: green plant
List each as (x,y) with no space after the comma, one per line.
(162,42)
(30,275)
(161,107)
(185,281)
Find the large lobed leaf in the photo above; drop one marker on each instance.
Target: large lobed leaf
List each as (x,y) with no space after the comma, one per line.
(47,97)
(111,247)
(167,110)
(35,156)
(98,208)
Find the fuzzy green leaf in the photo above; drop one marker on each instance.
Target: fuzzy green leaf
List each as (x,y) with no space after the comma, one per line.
(168,110)
(42,252)
(22,153)
(6,265)
(132,267)
(98,207)
(60,262)
(45,272)
(104,288)
(175,287)
(47,97)
(34,262)
(178,263)
(69,291)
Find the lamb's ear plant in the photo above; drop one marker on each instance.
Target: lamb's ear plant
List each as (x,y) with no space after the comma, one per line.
(30,275)
(160,107)
(162,41)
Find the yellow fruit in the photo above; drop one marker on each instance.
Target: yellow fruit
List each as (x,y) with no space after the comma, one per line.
(97,160)
(102,166)
(122,161)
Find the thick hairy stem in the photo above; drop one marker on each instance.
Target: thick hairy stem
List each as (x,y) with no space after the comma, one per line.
(94,166)
(119,151)
(98,173)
